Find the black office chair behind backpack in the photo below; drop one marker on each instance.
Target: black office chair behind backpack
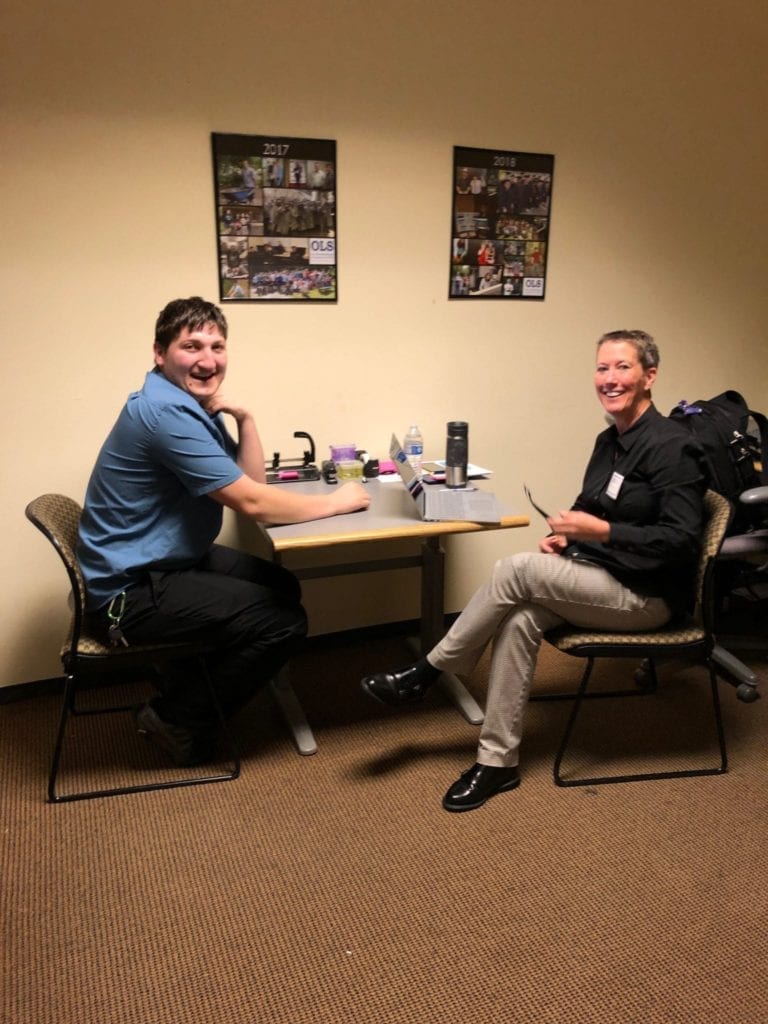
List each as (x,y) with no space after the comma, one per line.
(735,442)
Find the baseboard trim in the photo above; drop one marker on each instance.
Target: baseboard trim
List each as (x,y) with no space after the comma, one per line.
(34,688)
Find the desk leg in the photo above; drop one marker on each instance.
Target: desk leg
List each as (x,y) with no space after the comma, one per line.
(432,590)
(433,627)
(293,713)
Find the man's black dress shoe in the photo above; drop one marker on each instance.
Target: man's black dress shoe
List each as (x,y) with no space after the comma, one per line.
(478,784)
(185,748)
(404,687)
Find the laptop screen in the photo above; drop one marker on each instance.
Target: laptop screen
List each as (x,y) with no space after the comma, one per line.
(408,474)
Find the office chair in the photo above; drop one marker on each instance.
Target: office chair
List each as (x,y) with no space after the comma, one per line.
(742,595)
(690,640)
(85,655)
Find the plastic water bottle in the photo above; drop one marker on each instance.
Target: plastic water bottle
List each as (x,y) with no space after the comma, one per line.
(414,447)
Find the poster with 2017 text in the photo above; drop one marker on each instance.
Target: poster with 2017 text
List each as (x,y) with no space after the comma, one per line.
(276,218)
(500,224)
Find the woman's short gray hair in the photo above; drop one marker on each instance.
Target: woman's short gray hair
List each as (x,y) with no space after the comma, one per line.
(646,348)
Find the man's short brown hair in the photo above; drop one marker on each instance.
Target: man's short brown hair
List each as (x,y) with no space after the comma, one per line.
(193,313)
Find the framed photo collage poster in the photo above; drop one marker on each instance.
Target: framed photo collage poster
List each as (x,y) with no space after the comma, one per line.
(276,220)
(500,224)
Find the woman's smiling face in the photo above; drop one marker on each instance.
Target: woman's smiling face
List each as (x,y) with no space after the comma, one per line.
(622,384)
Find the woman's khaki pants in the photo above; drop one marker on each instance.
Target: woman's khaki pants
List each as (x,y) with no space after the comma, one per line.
(529,594)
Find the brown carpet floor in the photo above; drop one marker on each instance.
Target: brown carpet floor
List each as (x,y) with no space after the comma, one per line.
(335,890)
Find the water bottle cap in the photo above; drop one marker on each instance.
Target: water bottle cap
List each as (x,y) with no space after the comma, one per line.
(458,427)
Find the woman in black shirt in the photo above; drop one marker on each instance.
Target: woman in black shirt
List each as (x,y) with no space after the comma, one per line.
(622,558)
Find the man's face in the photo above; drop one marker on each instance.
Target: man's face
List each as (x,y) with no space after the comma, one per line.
(195,361)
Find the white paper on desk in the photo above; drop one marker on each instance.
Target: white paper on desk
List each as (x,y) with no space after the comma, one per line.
(472,469)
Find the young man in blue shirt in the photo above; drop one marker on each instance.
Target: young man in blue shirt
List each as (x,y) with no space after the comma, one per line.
(152,512)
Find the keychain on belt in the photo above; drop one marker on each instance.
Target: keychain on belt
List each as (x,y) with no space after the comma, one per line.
(116,636)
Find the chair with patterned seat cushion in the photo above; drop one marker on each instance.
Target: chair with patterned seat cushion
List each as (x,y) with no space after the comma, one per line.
(86,656)
(691,640)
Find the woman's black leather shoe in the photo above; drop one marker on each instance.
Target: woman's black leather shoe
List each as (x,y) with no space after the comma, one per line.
(404,687)
(478,784)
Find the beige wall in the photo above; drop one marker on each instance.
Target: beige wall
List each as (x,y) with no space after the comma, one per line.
(656,115)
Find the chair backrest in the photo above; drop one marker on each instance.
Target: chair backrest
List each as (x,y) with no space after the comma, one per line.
(718,512)
(58,518)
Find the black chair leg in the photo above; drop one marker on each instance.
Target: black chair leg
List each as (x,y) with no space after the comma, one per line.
(598,780)
(559,780)
(69,708)
(713,680)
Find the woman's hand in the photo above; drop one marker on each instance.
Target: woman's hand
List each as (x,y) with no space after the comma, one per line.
(580,526)
(554,544)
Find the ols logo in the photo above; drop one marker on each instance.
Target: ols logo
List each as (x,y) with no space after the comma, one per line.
(322,250)
(533,286)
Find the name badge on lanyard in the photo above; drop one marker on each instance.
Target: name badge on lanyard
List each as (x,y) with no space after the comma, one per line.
(614,486)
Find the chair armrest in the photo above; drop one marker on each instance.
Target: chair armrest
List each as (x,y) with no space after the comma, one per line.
(754,496)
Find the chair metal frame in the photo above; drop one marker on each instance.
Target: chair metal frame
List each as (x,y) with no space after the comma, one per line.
(85,654)
(743,548)
(692,640)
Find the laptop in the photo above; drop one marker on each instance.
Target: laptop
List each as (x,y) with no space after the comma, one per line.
(440,504)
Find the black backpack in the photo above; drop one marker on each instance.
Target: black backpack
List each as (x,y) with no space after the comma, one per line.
(735,443)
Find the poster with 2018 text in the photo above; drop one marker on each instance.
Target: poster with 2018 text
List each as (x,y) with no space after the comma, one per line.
(500,224)
(276,218)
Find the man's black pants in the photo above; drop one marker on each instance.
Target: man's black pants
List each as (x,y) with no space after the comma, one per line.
(248,608)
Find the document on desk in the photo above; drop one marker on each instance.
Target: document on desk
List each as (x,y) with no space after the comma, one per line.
(468,505)
(433,471)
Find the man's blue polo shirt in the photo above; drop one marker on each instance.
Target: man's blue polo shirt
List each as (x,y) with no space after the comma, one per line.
(146,505)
